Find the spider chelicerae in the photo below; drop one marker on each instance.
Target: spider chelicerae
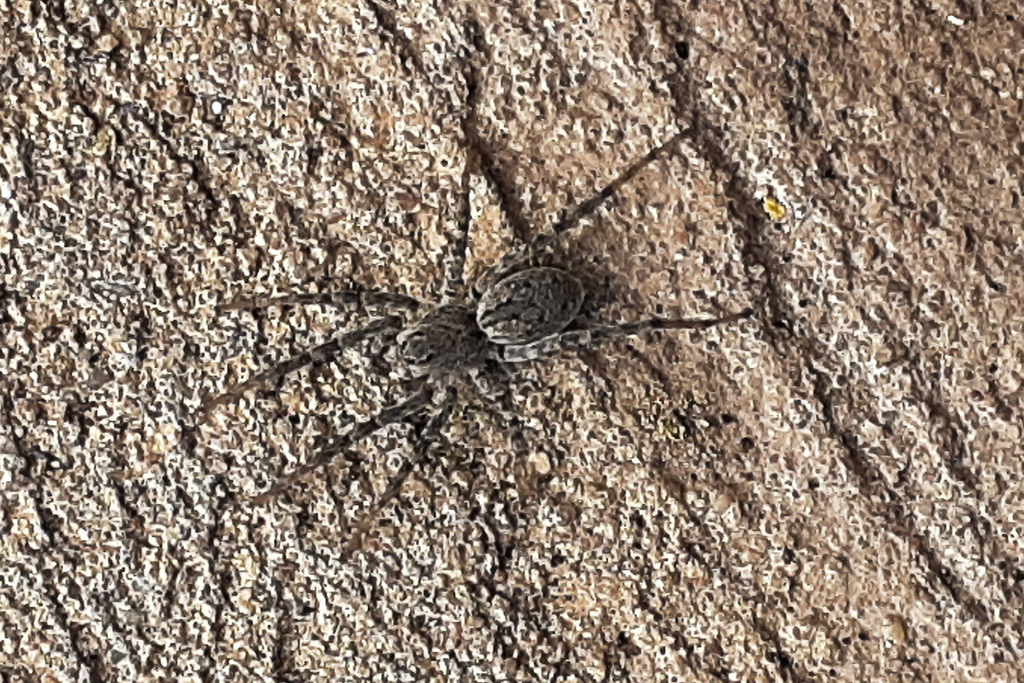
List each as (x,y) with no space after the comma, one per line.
(523,311)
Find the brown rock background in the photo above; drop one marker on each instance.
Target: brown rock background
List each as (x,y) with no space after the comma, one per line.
(829,491)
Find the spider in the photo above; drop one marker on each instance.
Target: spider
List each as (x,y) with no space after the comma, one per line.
(522,311)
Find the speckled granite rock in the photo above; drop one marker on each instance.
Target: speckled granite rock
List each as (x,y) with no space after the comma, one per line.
(828,491)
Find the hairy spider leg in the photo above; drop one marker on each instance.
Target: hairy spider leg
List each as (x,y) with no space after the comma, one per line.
(315,356)
(522,256)
(348,298)
(585,338)
(455,257)
(418,402)
(421,451)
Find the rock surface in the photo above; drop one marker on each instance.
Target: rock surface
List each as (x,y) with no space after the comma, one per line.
(830,490)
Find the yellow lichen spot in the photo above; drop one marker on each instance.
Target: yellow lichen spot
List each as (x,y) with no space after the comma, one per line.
(775,209)
(162,439)
(670,429)
(104,141)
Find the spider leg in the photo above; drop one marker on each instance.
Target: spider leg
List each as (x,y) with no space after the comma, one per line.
(580,339)
(417,403)
(422,447)
(346,297)
(314,356)
(571,219)
(522,257)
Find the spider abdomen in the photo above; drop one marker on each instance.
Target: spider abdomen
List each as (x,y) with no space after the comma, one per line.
(529,305)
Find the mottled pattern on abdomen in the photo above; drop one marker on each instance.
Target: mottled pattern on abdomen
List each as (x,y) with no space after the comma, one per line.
(529,305)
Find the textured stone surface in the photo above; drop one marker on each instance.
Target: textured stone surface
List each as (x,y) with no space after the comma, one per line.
(828,491)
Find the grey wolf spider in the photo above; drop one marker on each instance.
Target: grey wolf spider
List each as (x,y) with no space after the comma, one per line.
(523,312)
